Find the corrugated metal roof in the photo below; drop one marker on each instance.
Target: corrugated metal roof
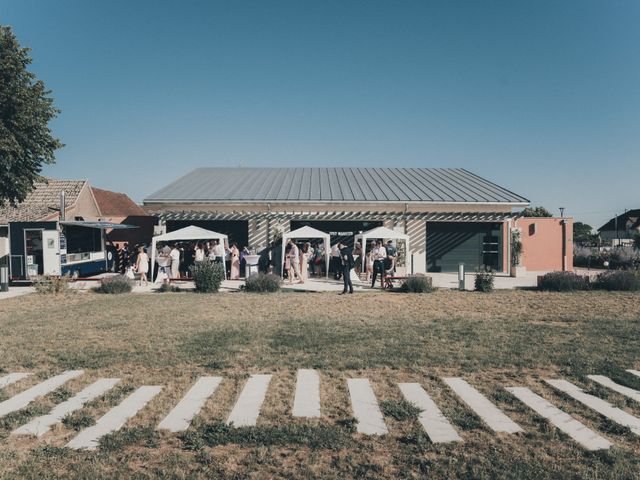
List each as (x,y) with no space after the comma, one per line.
(432,185)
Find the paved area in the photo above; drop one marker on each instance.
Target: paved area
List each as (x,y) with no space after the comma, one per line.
(364,403)
(616,387)
(16,292)
(7,380)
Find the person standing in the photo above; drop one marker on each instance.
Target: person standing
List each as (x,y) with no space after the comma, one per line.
(334,262)
(198,255)
(234,259)
(392,254)
(142,265)
(294,258)
(379,254)
(175,261)
(347,261)
(304,262)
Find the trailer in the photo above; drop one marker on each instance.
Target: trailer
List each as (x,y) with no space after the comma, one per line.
(75,248)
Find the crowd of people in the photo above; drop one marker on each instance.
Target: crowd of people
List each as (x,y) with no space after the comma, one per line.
(300,262)
(174,260)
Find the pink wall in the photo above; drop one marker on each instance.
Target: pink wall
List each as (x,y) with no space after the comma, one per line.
(542,240)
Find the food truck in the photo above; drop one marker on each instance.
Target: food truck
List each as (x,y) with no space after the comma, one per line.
(75,248)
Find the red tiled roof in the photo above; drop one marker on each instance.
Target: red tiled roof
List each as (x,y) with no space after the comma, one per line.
(116,204)
(43,201)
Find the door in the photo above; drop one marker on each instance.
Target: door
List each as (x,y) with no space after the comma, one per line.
(51,252)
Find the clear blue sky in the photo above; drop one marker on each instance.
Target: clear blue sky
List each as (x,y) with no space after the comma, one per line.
(541,96)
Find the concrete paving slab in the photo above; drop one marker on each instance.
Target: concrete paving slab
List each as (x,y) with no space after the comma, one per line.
(247,408)
(616,387)
(23,399)
(16,292)
(634,372)
(180,417)
(431,418)
(12,378)
(306,402)
(487,411)
(561,420)
(41,425)
(114,419)
(365,407)
(603,407)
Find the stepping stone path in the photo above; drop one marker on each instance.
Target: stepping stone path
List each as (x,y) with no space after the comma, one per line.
(602,407)
(634,372)
(306,402)
(180,417)
(564,422)
(41,425)
(431,418)
(366,410)
(23,399)
(365,407)
(616,387)
(12,378)
(487,411)
(114,419)
(247,408)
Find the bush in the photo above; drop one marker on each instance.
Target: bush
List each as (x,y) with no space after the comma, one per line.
(484,280)
(263,283)
(207,276)
(621,280)
(563,282)
(417,283)
(168,287)
(115,284)
(52,284)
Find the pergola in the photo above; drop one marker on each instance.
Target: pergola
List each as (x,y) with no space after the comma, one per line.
(187,233)
(308,232)
(383,233)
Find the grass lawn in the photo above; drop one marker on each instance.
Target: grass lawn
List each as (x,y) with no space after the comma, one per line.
(507,338)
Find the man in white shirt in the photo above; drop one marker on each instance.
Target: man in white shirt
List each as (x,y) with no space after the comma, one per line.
(335,264)
(175,262)
(218,252)
(378,254)
(294,258)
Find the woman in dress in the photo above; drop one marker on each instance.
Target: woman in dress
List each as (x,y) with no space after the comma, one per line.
(142,265)
(304,262)
(234,258)
(369,262)
(287,262)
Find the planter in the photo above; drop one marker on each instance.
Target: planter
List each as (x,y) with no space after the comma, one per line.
(518,271)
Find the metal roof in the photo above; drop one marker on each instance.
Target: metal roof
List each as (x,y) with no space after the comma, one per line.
(296,185)
(370,215)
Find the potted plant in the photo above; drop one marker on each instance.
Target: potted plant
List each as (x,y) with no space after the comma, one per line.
(517,270)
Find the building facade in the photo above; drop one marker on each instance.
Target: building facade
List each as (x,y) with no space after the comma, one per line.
(451,215)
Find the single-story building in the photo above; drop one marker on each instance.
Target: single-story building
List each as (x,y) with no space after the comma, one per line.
(451,215)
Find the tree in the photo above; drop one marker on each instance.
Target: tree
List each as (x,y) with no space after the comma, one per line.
(536,212)
(26,142)
(582,233)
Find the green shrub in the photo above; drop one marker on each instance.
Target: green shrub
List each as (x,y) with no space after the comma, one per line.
(621,280)
(115,284)
(563,282)
(52,284)
(263,283)
(207,276)
(417,283)
(483,281)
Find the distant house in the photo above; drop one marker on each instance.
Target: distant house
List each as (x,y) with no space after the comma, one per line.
(119,208)
(620,230)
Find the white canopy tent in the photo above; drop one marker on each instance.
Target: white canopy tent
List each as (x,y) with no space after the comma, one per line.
(309,232)
(385,234)
(187,233)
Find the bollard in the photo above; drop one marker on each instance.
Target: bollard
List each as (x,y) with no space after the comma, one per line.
(461,286)
(4,279)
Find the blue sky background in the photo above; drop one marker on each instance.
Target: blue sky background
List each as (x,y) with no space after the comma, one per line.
(542,97)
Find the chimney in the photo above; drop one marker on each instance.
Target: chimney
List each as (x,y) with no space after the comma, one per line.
(62,206)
